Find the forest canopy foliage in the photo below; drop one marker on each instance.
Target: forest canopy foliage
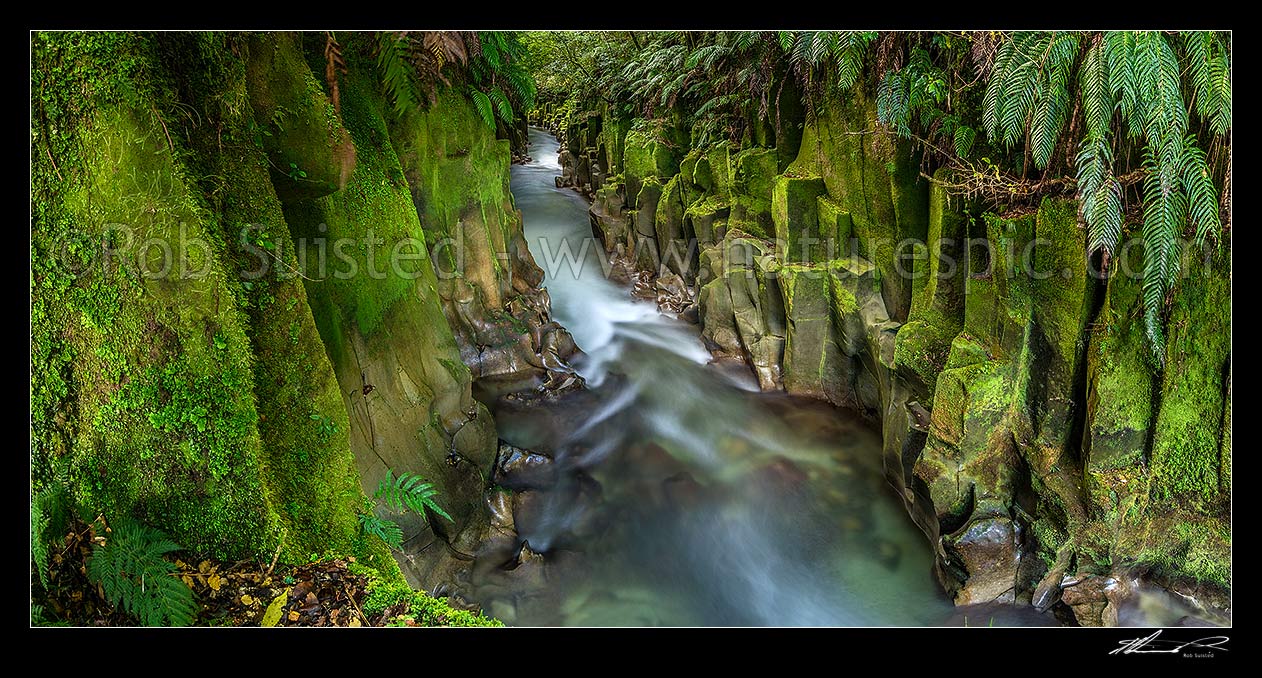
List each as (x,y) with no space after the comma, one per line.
(1135,124)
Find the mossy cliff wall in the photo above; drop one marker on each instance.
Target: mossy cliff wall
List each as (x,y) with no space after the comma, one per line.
(1025,425)
(241,411)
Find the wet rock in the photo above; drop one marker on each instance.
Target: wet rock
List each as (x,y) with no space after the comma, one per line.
(519,469)
(528,508)
(718,322)
(499,504)
(918,416)
(1088,597)
(672,294)
(987,549)
(1047,593)
(527,573)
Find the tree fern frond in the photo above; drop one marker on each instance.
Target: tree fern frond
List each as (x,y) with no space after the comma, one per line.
(892,103)
(1165,209)
(787,40)
(1199,187)
(963,138)
(1097,97)
(397,73)
(1104,218)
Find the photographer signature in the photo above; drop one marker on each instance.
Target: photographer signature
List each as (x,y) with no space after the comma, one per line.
(1151,645)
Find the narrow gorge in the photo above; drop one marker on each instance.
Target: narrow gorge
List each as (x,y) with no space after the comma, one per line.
(632,328)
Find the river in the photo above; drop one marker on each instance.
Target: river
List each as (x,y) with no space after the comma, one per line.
(687,497)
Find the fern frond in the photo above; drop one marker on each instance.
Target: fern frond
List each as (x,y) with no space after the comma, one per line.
(963,138)
(386,530)
(1097,97)
(408,491)
(1164,212)
(49,513)
(483,103)
(1211,80)
(398,76)
(787,40)
(502,105)
(1201,196)
(134,575)
(892,107)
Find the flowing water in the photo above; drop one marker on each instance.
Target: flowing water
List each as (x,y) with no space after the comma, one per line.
(686,496)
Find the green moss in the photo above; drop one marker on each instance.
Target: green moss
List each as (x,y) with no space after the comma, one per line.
(966,351)
(423,609)
(375,202)
(150,407)
(647,154)
(923,346)
(308,151)
(1050,538)
(308,467)
(1191,547)
(885,206)
(1120,379)
(794,205)
(1186,445)
(458,174)
(834,225)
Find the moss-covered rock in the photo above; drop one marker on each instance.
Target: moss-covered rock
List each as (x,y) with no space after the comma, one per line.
(308,150)
(794,210)
(753,179)
(1120,380)
(646,155)
(419,411)
(937,312)
(706,220)
(812,359)
(873,176)
(1186,441)
(675,244)
(199,398)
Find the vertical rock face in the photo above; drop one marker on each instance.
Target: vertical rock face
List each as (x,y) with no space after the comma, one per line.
(184,396)
(1025,425)
(356,272)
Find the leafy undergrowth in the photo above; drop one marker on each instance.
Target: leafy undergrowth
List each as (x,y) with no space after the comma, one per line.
(328,592)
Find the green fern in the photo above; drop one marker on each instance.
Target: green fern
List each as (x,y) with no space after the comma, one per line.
(483,103)
(41,617)
(387,531)
(1029,91)
(843,50)
(408,491)
(398,75)
(48,518)
(893,105)
(134,575)
(502,105)
(1211,79)
(1135,77)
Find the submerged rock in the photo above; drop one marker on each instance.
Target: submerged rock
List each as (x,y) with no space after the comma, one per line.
(519,469)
